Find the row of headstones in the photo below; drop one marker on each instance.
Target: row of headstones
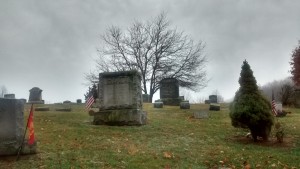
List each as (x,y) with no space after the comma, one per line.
(184,104)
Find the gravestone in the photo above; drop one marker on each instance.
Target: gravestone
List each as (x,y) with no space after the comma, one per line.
(12,127)
(35,96)
(278,107)
(146,98)
(214,107)
(201,115)
(78,101)
(207,101)
(169,91)
(184,104)
(213,98)
(120,98)
(158,104)
(9,96)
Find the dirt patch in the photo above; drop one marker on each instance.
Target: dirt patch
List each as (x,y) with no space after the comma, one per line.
(288,142)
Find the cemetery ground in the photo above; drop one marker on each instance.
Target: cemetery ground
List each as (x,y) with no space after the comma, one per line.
(172,138)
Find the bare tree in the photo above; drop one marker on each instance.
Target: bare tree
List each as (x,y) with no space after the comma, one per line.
(157,51)
(3,91)
(283,90)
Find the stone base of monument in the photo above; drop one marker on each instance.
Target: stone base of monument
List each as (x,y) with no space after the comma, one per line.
(130,117)
(184,105)
(13,148)
(214,106)
(171,101)
(158,105)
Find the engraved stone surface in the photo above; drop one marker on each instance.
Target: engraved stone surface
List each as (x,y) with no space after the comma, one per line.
(120,99)
(12,125)
(169,88)
(169,92)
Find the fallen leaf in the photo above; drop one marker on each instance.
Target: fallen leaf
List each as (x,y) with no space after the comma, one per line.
(168,154)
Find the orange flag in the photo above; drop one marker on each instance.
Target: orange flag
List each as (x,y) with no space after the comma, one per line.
(30,127)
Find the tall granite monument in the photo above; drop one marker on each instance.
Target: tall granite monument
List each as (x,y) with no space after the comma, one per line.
(169,91)
(120,98)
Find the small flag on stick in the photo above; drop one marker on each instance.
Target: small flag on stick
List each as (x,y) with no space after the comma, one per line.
(30,127)
(274,111)
(89,102)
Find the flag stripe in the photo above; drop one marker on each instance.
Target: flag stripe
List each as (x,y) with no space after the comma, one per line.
(274,111)
(89,102)
(30,126)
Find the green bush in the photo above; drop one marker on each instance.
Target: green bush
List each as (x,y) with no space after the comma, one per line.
(250,109)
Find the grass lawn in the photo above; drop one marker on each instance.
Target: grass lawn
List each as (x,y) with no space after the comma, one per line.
(171,139)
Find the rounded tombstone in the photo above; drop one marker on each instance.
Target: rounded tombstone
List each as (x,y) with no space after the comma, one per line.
(66,102)
(35,95)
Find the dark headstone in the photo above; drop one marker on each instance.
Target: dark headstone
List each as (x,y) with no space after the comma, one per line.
(42,109)
(120,98)
(78,101)
(169,88)
(213,99)
(35,96)
(9,96)
(207,101)
(146,98)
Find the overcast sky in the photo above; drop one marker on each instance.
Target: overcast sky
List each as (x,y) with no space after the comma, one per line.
(51,44)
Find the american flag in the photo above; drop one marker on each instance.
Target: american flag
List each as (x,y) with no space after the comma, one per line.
(89,102)
(274,111)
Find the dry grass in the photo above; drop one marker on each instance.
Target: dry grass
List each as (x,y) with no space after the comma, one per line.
(171,139)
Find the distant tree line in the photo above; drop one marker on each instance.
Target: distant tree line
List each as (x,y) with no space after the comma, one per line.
(283,91)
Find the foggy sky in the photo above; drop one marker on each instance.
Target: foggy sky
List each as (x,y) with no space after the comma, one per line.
(51,44)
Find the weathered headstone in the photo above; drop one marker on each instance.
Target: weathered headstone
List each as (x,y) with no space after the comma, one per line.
(146,98)
(184,104)
(169,91)
(12,127)
(278,107)
(35,96)
(120,99)
(213,98)
(201,115)
(9,96)
(158,104)
(207,101)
